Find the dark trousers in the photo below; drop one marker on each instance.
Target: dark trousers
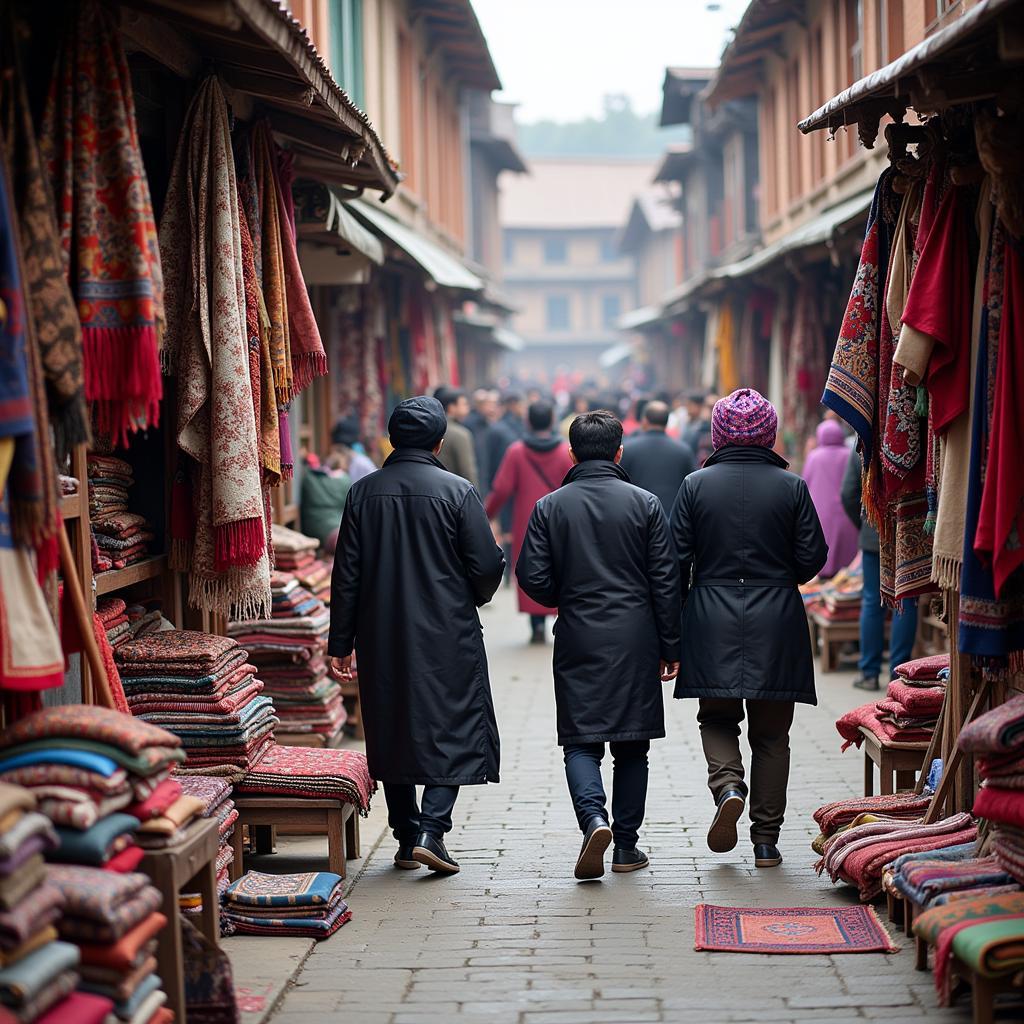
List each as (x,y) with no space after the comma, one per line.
(768,725)
(408,819)
(872,623)
(629,786)
(538,621)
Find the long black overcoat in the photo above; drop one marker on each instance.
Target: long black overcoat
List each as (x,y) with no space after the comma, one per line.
(749,531)
(415,559)
(598,549)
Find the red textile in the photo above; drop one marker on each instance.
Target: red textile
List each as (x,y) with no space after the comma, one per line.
(1001,522)
(78,1008)
(939,304)
(121,955)
(158,801)
(525,476)
(126,861)
(868,715)
(113,676)
(918,700)
(1003,805)
(922,669)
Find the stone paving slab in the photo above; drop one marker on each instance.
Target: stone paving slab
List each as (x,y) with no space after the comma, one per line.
(514,937)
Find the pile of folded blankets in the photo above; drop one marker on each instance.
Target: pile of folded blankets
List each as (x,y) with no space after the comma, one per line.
(910,710)
(308,905)
(838,816)
(215,795)
(310,772)
(839,598)
(113,919)
(289,652)
(202,688)
(293,551)
(121,537)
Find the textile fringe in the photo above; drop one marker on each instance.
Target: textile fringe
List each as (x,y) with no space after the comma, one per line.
(946,571)
(69,430)
(122,378)
(226,595)
(306,366)
(180,558)
(239,543)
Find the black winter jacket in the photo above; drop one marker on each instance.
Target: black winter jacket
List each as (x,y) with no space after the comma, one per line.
(415,560)
(598,549)
(659,464)
(750,534)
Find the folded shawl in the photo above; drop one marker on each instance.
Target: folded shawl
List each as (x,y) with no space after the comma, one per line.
(42,906)
(122,954)
(90,140)
(83,721)
(98,844)
(998,731)
(23,981)
(207,350)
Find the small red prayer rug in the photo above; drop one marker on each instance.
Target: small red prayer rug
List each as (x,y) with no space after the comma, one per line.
(790,930)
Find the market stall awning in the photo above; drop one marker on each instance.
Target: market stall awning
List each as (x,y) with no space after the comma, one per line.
(321,216)
(444,269)
(637,319)
(968,59)
(613,356)
(817,230)
(268,65)
(486,328)
(678,298)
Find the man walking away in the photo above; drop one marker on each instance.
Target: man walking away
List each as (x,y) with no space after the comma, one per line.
(345,441)
(415,560)
(477,422)
(749,531)
(502,433)
(654,461)
(872,613)
(458,455)
(530,469)
(598,549)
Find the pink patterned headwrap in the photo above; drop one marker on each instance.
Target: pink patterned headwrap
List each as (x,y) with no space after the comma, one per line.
(744,417)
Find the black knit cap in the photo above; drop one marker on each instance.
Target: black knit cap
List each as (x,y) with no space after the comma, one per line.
(418,422)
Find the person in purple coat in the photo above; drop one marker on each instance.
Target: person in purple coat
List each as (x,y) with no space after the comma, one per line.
(823,473)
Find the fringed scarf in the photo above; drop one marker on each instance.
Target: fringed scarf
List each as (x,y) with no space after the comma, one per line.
(58,330)
(106,222)
(805,362)
(207,351)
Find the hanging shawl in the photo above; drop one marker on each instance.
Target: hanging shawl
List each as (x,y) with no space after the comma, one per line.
(58,330)
(207,351)
(999,541)
(989,627)
(805,361)
(106,222)
(725,347)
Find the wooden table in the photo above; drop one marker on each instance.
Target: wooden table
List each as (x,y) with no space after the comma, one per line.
(190,865)
(831,635)
(898,763)
(299,816)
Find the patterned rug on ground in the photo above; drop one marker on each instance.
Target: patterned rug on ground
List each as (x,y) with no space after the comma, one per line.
(790,930)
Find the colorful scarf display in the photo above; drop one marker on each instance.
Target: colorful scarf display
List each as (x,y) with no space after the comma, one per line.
(106,222)
(208,352)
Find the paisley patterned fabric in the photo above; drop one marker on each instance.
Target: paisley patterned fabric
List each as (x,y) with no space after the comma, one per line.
(87,722)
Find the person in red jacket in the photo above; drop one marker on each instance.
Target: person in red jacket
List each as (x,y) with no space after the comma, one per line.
(530,469)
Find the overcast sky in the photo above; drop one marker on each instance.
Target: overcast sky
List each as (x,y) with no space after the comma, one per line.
(558,58)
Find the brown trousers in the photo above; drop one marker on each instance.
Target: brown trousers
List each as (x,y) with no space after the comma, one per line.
(768,725)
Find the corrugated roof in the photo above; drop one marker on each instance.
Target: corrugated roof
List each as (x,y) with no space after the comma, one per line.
(573,193)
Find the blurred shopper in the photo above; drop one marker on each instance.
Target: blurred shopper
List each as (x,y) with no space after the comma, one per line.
(325,486)
(477,422)
(505,431)
(824,472)
(653,460)
(458,455)
(698,433)
(750,534)
(872,612)
(346,441)
(694,406)
(415,560)
(530,469)
(598,549)
(578,405)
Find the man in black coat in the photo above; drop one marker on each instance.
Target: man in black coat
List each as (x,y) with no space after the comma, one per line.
(748,531)
(654,461)
(415,559)
(598,549)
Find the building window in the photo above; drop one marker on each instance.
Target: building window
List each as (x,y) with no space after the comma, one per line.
(555,250)
(855,30)
(558,312)
(610,249)
(611,309)
(347,47)
(509,244)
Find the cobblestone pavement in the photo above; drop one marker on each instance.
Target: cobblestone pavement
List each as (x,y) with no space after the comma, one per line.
(514,938)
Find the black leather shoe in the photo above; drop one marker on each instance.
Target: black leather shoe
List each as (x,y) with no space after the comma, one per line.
(596,840)
(722,835)
(766,855)
(629,860)
(538,637)
(405,860)
(430,851)
(867,683)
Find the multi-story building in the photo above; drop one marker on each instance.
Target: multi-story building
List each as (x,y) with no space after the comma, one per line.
(564,268)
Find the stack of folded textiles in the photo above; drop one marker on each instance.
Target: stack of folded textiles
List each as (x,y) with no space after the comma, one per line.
(860,854)
(839,815)
(933,879)
(911,709)
(86,765)
(122,537)
(878,718)
(202,688)
(840,597)
(315,773)
(308,905)
(316,578)
(215,795)
(144,618)
(996,738)
(293,551)
(930,671)
(114,920)
(36,971)
(289,652)
(112,613)
(165,816)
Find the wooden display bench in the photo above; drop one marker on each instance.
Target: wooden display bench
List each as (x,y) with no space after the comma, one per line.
(829,636)
(898,763)
(298,816)
(190,865)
